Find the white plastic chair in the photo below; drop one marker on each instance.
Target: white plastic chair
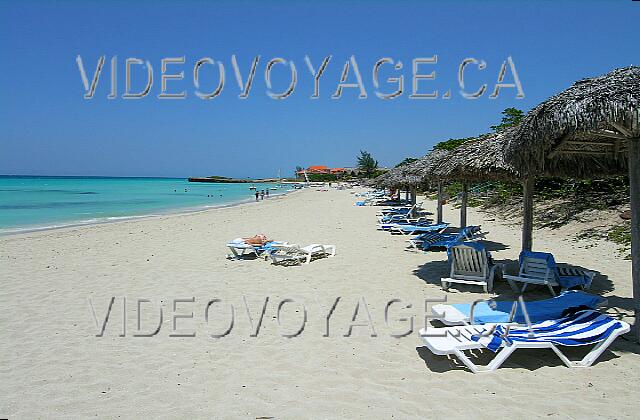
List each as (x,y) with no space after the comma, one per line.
(471,266)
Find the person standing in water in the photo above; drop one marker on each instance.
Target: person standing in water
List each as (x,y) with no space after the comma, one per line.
(261,194)
(266,193)
(257,195)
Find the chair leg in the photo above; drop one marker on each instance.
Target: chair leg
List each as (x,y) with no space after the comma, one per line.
(493,365)
(492,274)
(553,292)
(468,363)
(513,285)
(592,356)
(501,357)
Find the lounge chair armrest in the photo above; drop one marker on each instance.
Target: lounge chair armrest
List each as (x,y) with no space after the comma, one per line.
(473,306)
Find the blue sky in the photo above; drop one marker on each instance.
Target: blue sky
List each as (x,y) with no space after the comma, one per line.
(48,128)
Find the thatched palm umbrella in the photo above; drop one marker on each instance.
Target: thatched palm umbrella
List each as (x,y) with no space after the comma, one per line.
(391,179)
(479,159)
(476,160)
(404,177)
(424,170)
(590,129)
(378,182)
(399,177)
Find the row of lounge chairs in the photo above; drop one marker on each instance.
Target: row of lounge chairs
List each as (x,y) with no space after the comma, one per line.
(429,235)
(471,263)
(568,319)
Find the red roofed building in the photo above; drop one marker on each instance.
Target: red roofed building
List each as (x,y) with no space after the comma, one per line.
(323,169)
(318,169)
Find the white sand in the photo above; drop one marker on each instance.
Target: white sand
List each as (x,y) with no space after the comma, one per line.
(54,365)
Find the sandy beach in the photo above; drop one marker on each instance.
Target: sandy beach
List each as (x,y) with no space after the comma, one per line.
(54,365)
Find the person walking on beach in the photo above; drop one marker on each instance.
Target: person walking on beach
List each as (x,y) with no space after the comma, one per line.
(261,194)
(257,195)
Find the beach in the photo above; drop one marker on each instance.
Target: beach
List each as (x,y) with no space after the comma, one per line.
(58,284)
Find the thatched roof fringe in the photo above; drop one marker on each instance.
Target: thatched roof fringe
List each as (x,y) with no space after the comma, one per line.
(479,159)
(575,116)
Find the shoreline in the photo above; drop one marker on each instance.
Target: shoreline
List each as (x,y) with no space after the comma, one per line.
(119,219)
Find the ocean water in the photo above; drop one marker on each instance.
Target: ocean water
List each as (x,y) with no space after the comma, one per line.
(31,202)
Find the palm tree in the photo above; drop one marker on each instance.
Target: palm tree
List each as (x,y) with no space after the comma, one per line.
(367,164)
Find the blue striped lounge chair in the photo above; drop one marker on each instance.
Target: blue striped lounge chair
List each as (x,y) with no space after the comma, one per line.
(582,328)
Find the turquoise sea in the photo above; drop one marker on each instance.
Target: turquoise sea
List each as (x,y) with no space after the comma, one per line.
(35,202)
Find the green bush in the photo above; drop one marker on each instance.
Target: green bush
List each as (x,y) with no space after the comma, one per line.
(451,143)
(322,177)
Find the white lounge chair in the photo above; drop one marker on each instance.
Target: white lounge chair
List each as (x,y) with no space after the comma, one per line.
(540,268)
(294,252)
(239,248)
(471,264)
(586,327)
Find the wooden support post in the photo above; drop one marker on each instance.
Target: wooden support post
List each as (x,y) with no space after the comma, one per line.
(463,207)
(414,199)
(527,213)
(439,211)
(406,194)
(634,191)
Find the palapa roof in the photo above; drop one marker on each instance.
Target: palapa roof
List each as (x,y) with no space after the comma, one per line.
(478,159)
(425,167)
(582,131)
(411,174)
(396,177)
(380,181)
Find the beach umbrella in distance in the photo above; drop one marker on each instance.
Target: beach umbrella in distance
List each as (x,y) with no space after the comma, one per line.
(478,159)
(408,180)
(410,175)
(423,169)
(398,178)
(380,181)
(590,129)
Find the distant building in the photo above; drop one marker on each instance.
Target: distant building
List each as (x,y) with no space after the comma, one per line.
(321,169)
(338,172)
(318,169)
